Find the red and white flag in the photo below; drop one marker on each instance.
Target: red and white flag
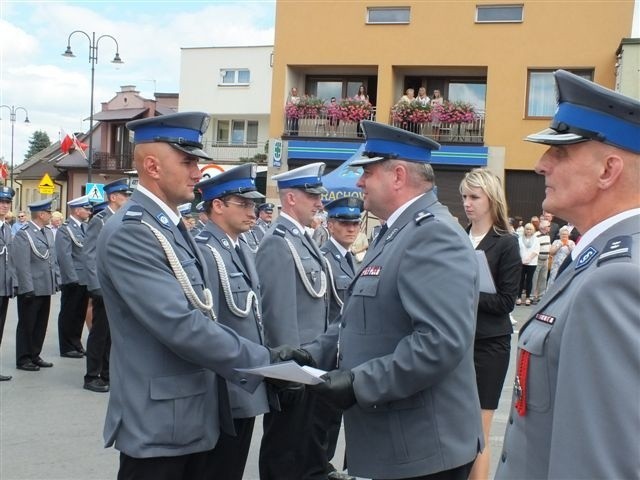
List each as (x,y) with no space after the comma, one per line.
(4,170)
(69,142)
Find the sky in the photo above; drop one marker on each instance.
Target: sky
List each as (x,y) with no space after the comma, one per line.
(56,91)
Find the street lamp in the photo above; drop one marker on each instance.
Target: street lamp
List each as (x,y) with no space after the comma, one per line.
(93,59)
(13,110)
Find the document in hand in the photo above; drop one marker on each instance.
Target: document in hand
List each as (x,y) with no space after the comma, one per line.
(486,279)
(289,371)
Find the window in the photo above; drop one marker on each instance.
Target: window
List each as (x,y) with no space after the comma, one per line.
(237,132)
(386,15)
(470,92)
(238,76)
(499,13)
(541,91)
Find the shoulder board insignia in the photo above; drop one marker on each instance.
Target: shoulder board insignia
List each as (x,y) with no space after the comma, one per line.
(202,236)
(421,216)
(617,247)
(26,226)
(101,213)
(65,224)
(133,214)
(280,231)
(586,257)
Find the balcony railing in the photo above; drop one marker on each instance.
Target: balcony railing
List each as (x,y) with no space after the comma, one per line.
(229,153)
(471,132)
(323,125)
(112,161)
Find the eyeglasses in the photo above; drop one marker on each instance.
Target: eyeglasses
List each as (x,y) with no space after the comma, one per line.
(246,205)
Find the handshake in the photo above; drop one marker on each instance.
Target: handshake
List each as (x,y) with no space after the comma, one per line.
(287,352)
(337,388)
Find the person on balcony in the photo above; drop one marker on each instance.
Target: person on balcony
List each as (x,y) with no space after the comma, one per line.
(292,121)
(422,99)
(408,97)
(363,97)
(334,118)
(435,121)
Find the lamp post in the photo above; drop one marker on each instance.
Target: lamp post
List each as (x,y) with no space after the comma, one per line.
(93,59)
(13,110)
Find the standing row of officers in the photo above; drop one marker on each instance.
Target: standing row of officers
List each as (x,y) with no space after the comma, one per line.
(38,262)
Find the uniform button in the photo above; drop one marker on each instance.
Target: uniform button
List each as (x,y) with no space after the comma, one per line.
(510,419)
(343,324)
(243,380)
(503,457)
(375,406)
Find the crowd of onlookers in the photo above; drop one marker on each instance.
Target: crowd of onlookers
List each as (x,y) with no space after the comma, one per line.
(544,246)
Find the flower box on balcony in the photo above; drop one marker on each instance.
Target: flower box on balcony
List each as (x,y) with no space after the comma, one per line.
(453,112)
(352,110)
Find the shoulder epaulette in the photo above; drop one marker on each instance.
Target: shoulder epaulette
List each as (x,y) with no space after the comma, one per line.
(133,214)
(280,231)
(24,227)
(65,223)
(421,216)
(617,247)
(202,236)
(101,213)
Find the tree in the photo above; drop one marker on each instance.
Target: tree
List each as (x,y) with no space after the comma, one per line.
(38,142)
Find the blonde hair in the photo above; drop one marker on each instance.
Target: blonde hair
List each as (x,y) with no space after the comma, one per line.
(491,185)
(57,215)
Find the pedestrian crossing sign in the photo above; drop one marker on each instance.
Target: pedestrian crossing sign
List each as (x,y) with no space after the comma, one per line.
(95,192)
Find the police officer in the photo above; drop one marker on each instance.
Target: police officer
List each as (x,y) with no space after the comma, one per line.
(69,242)
(406,377)
(96,378)
(295,297)
(343,224)
(201,221)
(36,272)
(7,271)
(265,216)
(229,202)
(575,407)
(168,356)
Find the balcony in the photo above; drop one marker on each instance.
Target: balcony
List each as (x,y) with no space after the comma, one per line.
(112,162)
(322,124)
(232,153)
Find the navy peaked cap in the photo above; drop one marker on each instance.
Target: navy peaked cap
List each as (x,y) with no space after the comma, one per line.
(588,111)
(384,142)
(6,193)
(240,180)
(182,131)
(345,209)
(120,185)
(41,206)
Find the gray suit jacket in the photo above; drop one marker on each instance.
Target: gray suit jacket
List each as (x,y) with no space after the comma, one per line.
(290,314)
(407,334)
(242,279)
(35,273)
(69,242)
(582,389)
(90,245)
(342,274)
(7,267)
(165,354)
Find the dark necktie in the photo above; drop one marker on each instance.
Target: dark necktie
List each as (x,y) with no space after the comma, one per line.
(82,228)
(184,231)
(241,255)
(349,258)
(44,234)
(567,261)
(381,233)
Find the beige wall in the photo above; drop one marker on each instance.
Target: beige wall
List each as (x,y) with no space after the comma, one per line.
(554,34)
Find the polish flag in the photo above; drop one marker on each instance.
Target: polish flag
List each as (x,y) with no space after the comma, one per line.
(4,170)
(69,142)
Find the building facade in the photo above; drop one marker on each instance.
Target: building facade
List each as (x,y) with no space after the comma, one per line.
(497,57)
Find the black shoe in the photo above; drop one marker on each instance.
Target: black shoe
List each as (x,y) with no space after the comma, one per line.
(29,367)
(42,364)
(72,354)
(5,378)
(97,385)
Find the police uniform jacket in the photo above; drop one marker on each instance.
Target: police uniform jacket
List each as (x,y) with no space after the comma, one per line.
(407,334)
(166,355)
(7,269)
(341,273)
(583,361)
(259,229)
(35,260)
(90,244)
(238,280)
(290,314)
(69,242)
(250,241)
(503,257)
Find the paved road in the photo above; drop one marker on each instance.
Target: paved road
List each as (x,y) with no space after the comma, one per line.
(50,428)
